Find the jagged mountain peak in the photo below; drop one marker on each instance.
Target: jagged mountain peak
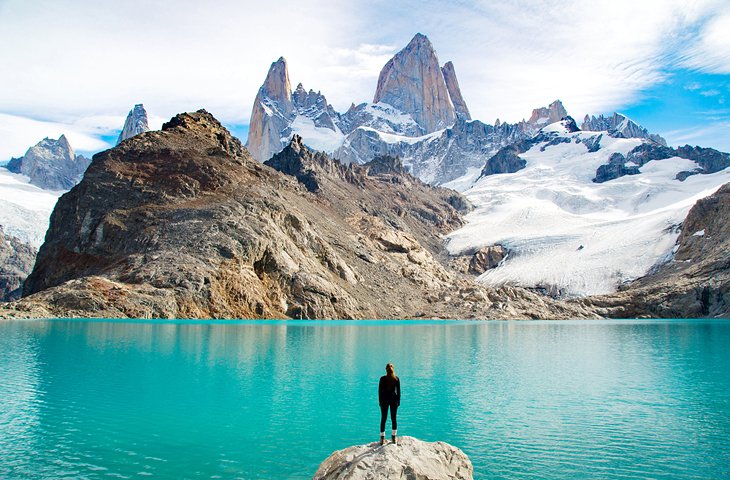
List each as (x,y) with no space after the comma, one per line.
(545,116)
(619,125)
(51,164)
(413,82)
(277,85)
(452,84)
(420,39)
(62,140)
(135,123)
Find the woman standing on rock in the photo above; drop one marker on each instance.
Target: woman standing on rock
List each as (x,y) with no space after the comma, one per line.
(389,397)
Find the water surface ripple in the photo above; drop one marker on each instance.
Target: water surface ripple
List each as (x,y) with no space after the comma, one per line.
(548,400)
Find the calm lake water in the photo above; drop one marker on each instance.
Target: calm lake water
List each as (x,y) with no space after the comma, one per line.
(582,399)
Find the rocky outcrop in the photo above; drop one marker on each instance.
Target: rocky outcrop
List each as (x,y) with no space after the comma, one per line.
(708,160)
(16,263)
(307,166)
(413,83)
(183,223)
(411,459)
(135,123)
(486,258)
(51,164)
(506,160)
(452,84)
(695,283)
(619,126)
(615,168)
(545,116)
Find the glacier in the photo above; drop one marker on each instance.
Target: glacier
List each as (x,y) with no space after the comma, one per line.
(568,236)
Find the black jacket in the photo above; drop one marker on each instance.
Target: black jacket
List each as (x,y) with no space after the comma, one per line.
(389,391)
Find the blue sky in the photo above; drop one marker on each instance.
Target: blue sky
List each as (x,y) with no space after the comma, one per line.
(78,66)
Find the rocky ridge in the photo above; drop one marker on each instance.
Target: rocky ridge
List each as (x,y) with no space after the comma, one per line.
(708,161)
(418,113)
(135,123)
(51,164)
(410,459)
(619,126)
(183,223)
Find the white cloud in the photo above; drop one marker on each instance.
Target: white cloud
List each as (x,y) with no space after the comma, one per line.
(711,133)
(710,50)
(84,61)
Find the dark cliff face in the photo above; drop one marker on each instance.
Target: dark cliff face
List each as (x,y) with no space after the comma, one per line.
(184,223)
(696,283)
(708,160)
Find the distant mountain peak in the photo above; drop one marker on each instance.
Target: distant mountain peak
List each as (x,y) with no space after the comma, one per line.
(619,125)
(413,82)
(545,116)
(277,86)
(51,164)
(135,123)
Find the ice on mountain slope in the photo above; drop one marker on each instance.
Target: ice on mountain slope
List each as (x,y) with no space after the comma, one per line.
(569,235)
(25,208)
(318,138)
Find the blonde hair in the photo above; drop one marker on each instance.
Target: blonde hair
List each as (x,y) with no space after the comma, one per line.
(390,371)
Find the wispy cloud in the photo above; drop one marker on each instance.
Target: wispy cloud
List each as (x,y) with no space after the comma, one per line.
(67,60)
(711,133)
(710,50)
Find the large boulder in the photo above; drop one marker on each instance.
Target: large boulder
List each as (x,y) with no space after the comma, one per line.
(410,459)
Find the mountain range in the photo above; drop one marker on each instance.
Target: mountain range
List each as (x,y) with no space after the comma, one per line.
(30,186)
(418,113)
(402,207)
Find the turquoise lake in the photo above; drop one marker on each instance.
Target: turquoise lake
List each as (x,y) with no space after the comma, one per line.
(548,400)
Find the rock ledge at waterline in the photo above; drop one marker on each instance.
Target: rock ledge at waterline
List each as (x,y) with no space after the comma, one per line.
(410,459)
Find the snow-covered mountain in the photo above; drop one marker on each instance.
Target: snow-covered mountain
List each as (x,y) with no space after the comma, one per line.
(418,113)
(414,97)
(51,164)
(620,126)
(135,123)
(567,233)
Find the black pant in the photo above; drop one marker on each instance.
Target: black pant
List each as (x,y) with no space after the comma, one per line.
(393,415)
